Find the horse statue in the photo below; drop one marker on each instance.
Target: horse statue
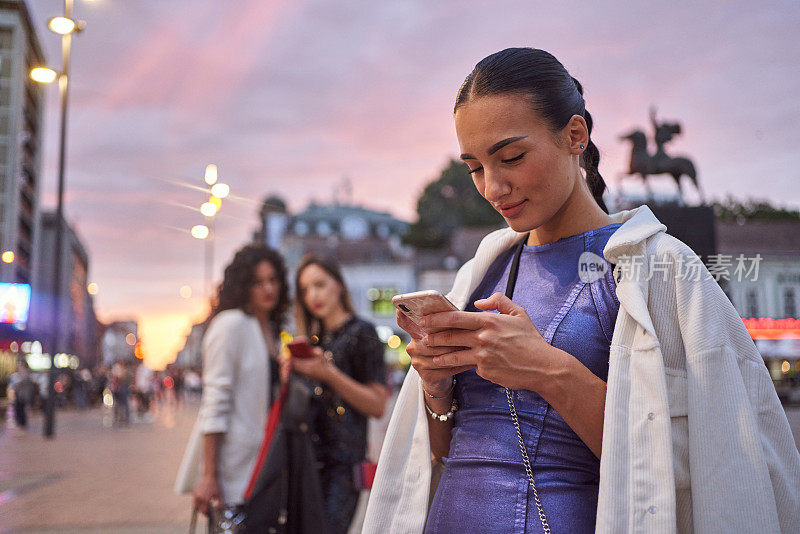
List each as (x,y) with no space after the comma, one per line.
(644,164)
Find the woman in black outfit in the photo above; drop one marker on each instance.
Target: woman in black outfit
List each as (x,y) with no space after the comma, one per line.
(350,371)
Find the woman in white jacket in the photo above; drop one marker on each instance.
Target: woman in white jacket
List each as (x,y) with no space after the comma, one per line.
(624,402)
(240,349)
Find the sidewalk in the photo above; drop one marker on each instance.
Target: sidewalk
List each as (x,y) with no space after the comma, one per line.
(95,479)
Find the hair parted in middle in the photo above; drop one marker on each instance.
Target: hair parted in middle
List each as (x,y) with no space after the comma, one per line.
(306,323)
(553,94)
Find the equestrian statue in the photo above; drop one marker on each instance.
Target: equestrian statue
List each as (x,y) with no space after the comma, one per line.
(644,164)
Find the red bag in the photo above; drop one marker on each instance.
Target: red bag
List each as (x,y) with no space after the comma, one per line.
(273,419)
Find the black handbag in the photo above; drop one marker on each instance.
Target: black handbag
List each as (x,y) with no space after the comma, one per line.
(285,495)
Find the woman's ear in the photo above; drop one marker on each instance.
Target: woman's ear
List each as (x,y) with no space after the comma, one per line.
(577,134)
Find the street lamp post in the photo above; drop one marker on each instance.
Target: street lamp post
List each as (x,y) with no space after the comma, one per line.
(206,232)
(65,26)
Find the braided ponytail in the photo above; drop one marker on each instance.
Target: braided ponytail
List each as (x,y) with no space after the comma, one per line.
(590,159)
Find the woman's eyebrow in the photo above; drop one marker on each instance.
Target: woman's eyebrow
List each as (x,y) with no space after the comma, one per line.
(497,146)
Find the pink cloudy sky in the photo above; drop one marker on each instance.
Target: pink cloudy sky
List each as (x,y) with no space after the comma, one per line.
(290,97)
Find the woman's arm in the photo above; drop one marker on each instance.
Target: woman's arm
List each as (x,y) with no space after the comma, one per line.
(436,381)
(369,399)
(507,349)
(207,492)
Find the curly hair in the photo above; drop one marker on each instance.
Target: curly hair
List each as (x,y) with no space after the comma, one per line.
(234,291)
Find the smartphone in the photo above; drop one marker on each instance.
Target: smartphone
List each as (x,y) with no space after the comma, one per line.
(300,348)
(416,305)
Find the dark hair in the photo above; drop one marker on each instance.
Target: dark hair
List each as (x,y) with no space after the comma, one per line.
(554,94)
(240,274)
(306,322)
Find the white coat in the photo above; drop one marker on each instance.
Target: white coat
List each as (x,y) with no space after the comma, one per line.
(235,402)
(694,437)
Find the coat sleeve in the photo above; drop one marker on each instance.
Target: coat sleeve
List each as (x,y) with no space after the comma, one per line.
(220,356)
(743,461)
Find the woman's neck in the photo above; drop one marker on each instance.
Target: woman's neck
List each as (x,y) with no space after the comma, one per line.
(580,213)
(335,319)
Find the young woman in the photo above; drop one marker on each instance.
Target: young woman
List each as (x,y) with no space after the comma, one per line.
(348,364)
(594,399)
(238,347)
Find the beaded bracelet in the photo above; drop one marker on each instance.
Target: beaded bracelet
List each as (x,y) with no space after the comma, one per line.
(443,417)
(449,391)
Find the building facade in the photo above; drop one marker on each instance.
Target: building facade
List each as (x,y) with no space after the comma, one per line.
(21,106)
(78,328)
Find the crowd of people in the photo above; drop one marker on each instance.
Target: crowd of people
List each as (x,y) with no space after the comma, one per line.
(128,388)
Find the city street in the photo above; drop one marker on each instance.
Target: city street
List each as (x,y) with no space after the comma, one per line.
(110,480)
(95,479)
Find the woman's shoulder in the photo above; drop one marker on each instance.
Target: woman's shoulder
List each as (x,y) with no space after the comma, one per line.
(227,320)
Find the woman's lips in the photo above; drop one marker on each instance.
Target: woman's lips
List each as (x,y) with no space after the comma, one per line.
(510,211)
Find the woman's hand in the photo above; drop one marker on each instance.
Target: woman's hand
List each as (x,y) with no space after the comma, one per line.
(435,379)
(285,368)
(504,348)
(207,494)
(317,367)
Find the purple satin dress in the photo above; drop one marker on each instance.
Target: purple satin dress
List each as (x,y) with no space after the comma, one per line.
(484,487)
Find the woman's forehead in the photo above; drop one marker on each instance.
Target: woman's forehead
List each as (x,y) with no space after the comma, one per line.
(505,115)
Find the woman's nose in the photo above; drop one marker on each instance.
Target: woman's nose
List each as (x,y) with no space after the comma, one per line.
(494,186)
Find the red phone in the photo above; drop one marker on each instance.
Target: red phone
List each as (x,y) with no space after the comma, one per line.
(300,348)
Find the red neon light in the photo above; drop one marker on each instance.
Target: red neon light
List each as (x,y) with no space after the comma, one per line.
(767,328)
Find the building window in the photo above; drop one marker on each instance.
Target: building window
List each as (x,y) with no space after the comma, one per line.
(324,228)
(789,309)
(752,303)
(301,228)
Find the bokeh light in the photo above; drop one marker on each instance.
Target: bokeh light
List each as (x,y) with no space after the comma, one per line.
(220,190)
(200,231)
(209,209)
(394,342)
(186,292)
(43,75)
(61,25)
(211,174)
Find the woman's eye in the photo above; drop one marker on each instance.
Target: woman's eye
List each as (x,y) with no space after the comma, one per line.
(476,169)
(512,160)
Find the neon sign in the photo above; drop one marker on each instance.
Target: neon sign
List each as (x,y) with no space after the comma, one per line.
(766,328)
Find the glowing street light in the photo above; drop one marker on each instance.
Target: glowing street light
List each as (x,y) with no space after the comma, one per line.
(209,209)
(8,256)
(220,190)
(43,75)
(211,174)
(200,231)
(62,25)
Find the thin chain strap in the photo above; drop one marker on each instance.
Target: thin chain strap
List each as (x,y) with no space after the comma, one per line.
(526,461)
